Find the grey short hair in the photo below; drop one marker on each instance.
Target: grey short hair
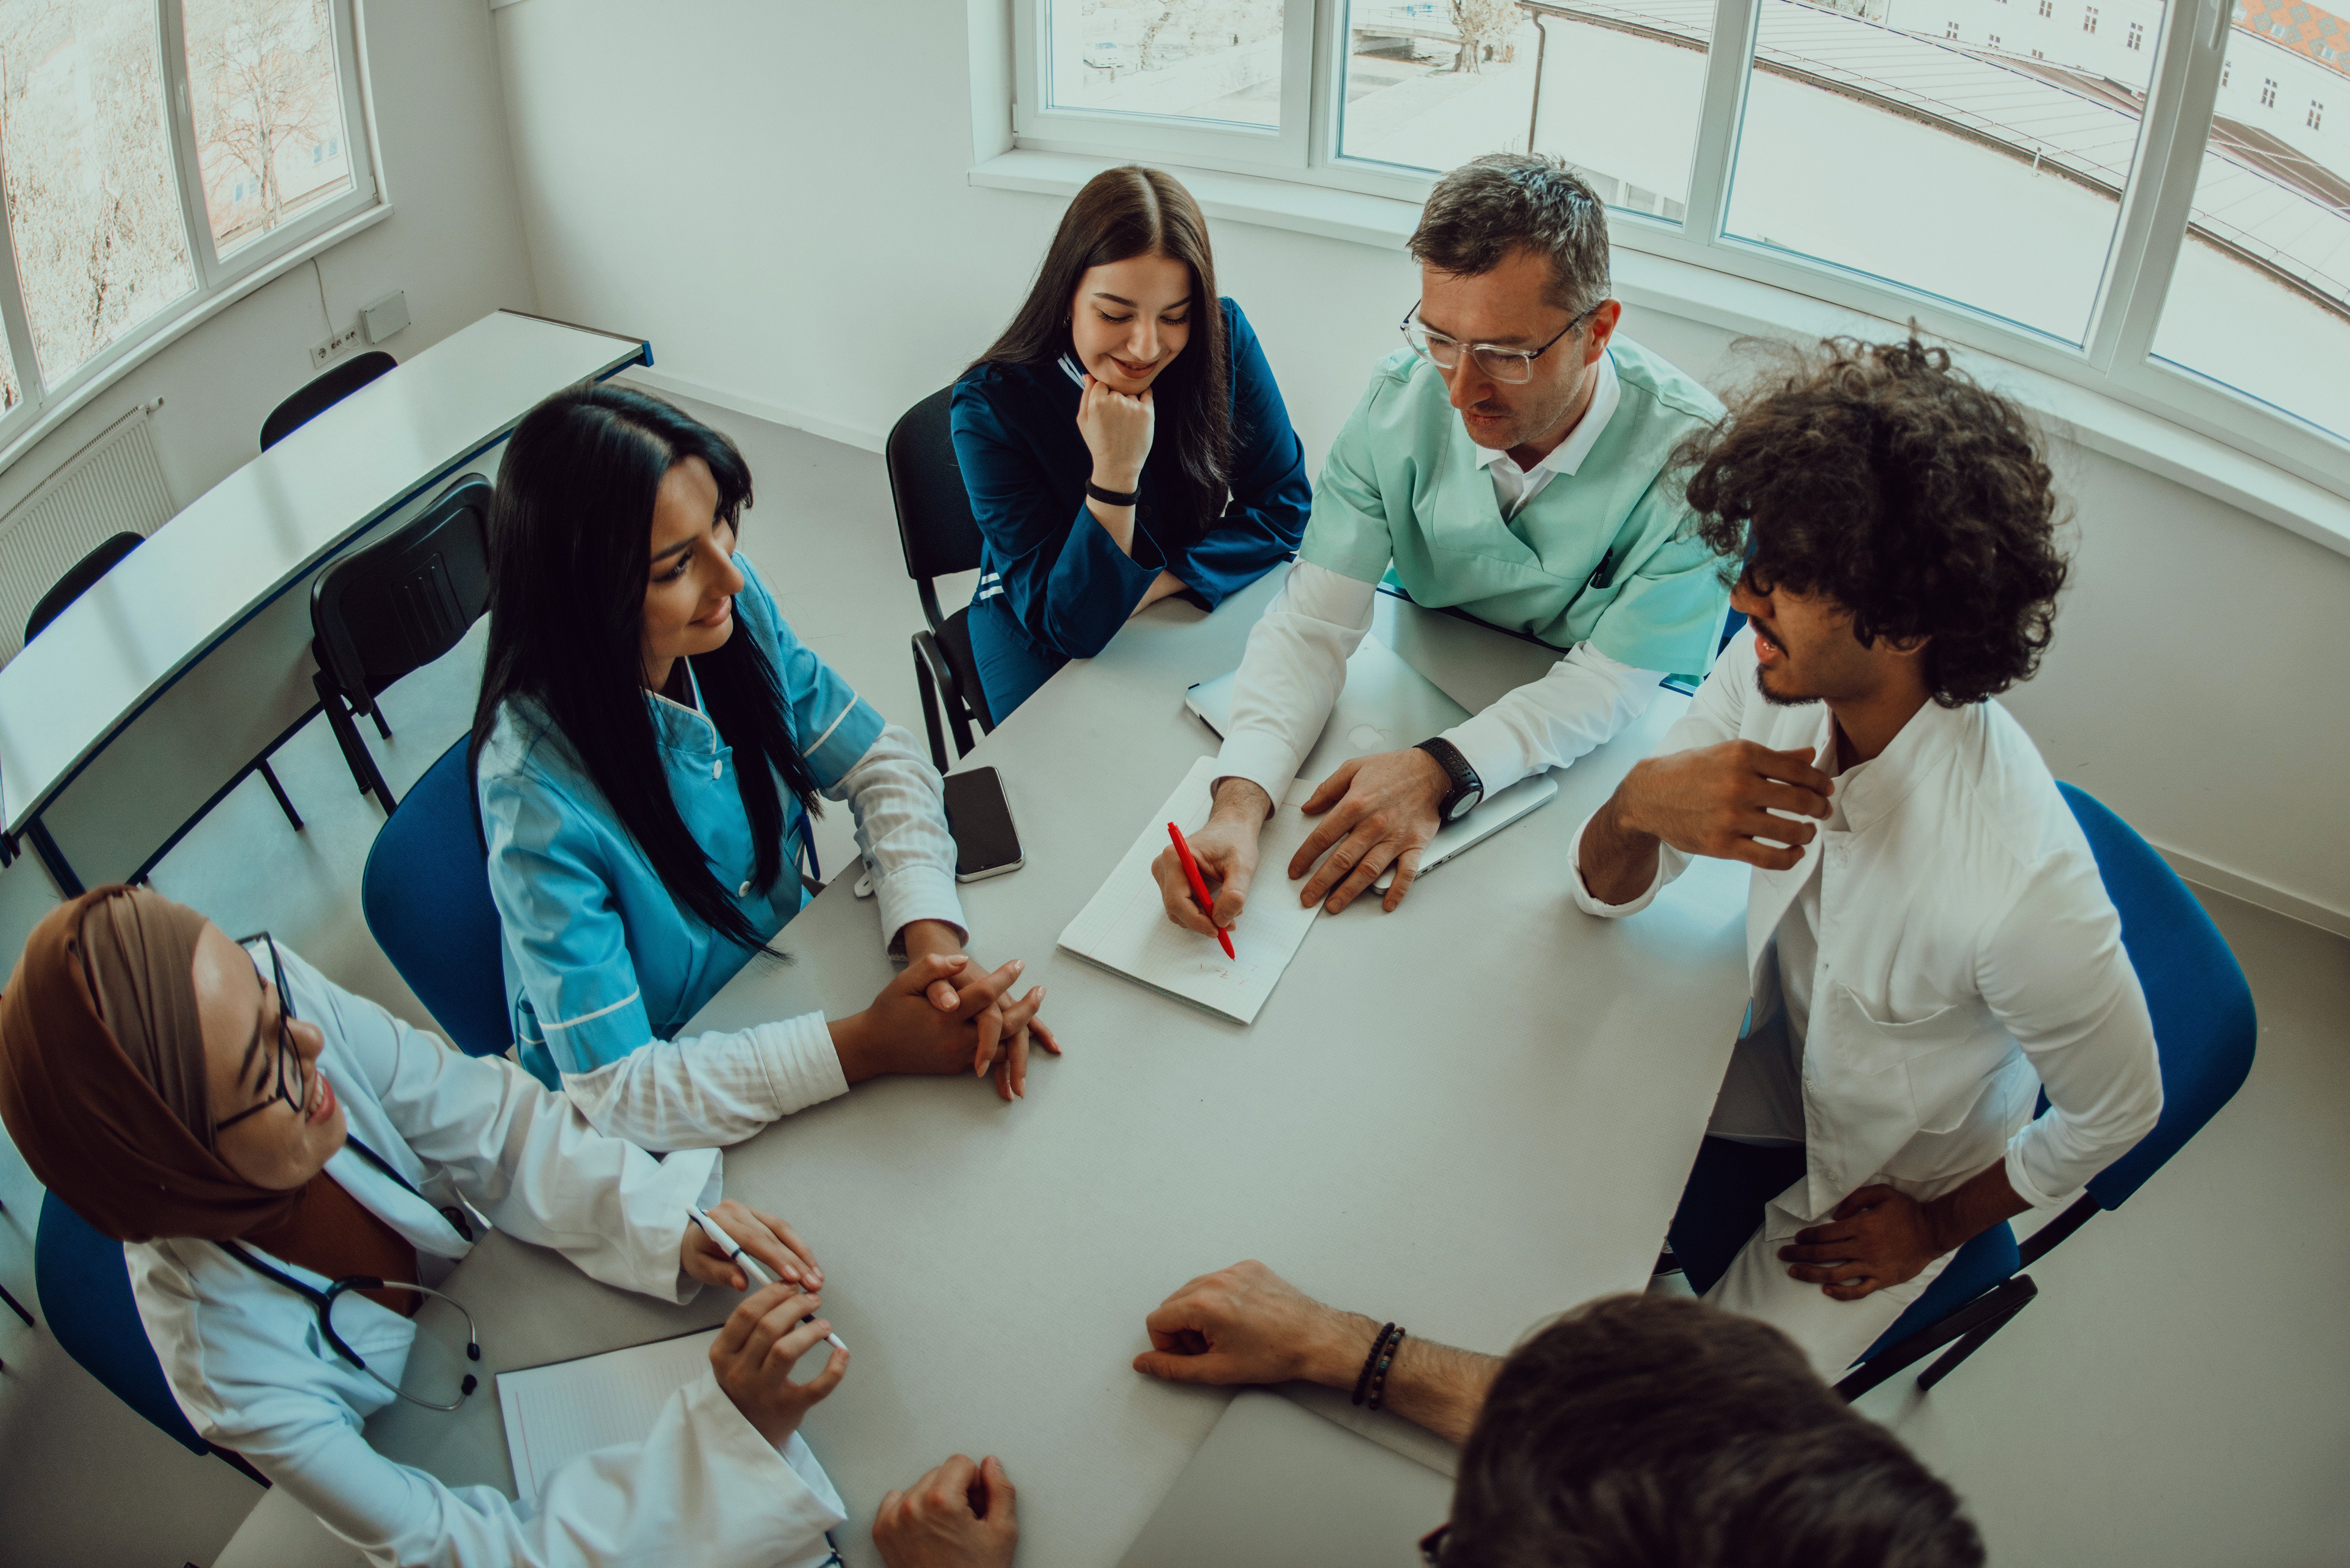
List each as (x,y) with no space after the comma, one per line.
(1481,210)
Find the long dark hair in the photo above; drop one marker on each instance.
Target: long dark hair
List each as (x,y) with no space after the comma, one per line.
(570,551)
(1122,214)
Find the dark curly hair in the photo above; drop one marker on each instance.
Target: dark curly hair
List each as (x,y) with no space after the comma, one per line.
(1904,489)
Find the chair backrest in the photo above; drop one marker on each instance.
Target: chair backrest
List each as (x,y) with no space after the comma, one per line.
(2204,1027)
(935,527)
(323,392)
(78,579)
(403,602)
(85,1287)
(426,895)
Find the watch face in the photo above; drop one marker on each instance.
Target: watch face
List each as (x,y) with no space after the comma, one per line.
(1467,803)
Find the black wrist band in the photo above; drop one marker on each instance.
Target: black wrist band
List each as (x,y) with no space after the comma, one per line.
(1112,497)
(1363,1378)
(1380,1373)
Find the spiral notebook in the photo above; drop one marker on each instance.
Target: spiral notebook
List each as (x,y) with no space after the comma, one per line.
(1125,928)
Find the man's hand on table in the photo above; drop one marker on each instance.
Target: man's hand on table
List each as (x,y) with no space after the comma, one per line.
(764,1236)
(754,1352)
(1381,810)
(959,1515)
(1248,1324)
(943,1015)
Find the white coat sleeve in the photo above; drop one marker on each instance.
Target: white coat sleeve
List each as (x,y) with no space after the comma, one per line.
(1715,714)
(700,1091)
(703,1490)
(2055,973)
(900,804)
(1291,673)
(1582,701)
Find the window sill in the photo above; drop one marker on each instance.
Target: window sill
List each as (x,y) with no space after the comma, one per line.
(1734,303)
(59,410)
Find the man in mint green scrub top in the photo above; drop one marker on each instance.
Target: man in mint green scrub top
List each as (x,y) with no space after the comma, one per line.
(1513,462)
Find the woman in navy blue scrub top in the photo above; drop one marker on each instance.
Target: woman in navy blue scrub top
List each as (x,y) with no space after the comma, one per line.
(1123,440)
(650,743)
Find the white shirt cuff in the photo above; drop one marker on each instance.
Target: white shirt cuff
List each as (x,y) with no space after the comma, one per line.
(802,1066)
(919,891)
(1266,760)
(1484,739)
(1590,905)
(2019,1177)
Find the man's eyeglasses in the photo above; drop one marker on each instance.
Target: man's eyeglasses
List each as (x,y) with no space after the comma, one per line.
(290,1082)
(1431,1546)
(1515,366)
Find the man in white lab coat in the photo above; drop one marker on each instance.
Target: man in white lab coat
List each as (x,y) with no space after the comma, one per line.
(1929,940)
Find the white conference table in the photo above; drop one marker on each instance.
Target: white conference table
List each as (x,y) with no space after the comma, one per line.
(1464,1117)
(206,603)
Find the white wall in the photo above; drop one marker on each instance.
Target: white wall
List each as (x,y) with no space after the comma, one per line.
(782,207)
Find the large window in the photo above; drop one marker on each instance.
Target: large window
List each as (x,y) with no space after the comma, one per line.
(157,153)
(2145,196)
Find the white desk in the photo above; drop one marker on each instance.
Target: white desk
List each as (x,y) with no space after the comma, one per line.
(227,562)
(1464,1117)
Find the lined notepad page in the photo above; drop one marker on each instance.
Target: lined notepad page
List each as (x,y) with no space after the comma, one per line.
(556,1413)
(1125,928)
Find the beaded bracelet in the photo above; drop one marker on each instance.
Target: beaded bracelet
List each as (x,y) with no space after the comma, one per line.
(1379,1374)
(1363,1378)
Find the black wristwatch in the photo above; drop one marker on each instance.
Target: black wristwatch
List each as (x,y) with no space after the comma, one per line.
(1467,790)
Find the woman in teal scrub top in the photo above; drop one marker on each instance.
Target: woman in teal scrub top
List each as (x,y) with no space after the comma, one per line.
(649,741)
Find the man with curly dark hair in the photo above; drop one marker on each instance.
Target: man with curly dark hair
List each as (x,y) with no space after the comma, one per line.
(1929,941)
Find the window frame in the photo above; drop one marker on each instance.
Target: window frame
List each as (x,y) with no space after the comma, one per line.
(218,281)
(2114,358)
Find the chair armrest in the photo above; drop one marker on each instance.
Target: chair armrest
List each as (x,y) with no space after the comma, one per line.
(926,648)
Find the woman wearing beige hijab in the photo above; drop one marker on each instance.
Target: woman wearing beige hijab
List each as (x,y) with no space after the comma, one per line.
(256,1133)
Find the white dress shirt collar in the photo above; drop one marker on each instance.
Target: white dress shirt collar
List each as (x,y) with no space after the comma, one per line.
(1515,486)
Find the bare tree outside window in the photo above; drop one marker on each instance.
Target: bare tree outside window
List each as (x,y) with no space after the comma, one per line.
(268,112)
(101,243)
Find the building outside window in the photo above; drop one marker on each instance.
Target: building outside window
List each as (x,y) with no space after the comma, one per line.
(2268,92)
(1950,163)
(156,155)
(2317,114)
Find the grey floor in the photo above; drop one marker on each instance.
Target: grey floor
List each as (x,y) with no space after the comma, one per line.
(2179,1395)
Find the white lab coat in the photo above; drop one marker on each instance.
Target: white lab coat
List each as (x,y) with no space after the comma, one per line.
(246,1363)
(1968,957)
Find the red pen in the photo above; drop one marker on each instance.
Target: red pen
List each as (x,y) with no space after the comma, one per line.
(1199,887)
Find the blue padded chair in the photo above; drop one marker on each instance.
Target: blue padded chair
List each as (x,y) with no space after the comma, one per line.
(2205,1030)
(426,896)
(84,1289)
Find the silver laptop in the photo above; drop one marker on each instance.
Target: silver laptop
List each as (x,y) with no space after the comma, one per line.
(1385,706)
(1276,1486)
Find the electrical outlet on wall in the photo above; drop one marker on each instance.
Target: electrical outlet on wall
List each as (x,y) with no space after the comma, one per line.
(321,352)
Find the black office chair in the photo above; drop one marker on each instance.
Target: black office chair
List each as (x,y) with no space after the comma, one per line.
(936,530)
(393,607)
(322,393)
(77,581)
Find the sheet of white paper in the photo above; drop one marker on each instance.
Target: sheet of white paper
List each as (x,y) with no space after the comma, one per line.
(557,1412)
(1125,927)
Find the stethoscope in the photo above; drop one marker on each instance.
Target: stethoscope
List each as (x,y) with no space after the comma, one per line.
(325,1299)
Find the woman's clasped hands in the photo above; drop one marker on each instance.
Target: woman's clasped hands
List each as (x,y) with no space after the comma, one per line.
(944,1013)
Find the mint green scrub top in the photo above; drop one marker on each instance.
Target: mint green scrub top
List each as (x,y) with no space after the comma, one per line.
(1402,489)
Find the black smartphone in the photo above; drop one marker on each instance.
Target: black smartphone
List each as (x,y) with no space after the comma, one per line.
(986,844)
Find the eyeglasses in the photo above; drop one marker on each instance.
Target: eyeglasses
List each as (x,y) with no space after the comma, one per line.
(1431,1546)
(289,1061)
(1515,366)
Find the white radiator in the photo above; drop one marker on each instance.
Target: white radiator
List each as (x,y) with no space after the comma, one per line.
(111,486)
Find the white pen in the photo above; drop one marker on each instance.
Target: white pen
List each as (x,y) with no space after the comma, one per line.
(753,1270)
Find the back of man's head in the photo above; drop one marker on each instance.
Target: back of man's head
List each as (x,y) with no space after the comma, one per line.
(1482,211)
(1647,1433)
